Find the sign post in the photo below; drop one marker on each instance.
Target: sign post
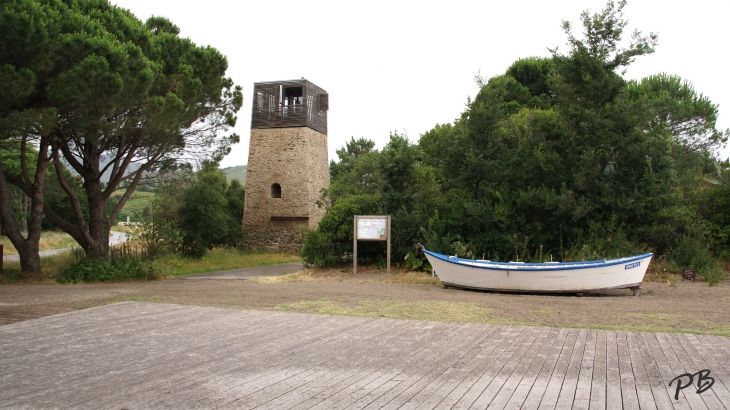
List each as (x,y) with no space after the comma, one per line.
(370,228)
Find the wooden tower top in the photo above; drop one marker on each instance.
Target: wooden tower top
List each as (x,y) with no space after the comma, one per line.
(288,104)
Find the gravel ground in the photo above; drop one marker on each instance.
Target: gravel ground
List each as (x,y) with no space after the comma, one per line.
(685,306)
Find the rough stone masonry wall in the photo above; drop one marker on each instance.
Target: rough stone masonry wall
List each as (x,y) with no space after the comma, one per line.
(296,159)
(319,175)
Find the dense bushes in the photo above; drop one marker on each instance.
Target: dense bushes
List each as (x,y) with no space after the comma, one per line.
(117,270)
(211,211)
(693,253)
(328,244)
(193,213)
(559,157)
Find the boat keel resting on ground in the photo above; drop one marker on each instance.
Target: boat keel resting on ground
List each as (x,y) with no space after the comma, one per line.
(572,277)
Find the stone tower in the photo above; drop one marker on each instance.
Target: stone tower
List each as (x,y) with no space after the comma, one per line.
(287,163)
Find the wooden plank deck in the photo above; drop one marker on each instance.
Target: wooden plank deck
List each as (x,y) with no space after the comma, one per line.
(149,355)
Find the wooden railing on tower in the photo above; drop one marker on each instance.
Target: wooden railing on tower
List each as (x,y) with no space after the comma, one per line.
(285,104)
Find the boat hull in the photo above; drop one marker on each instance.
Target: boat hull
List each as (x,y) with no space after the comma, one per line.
(574,277)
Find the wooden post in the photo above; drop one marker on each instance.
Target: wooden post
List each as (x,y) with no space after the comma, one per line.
(354,247)
(388,245)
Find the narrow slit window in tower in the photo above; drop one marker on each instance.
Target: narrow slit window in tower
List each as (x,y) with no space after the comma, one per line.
(275,191)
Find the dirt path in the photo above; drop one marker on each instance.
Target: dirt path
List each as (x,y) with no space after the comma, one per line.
(685,307)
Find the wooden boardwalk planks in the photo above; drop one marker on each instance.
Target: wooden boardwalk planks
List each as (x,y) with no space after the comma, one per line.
(570,382)
(148,355)
(534,398)
(582,398)
(629,394)
(598,384)
(644,393)
(523,389)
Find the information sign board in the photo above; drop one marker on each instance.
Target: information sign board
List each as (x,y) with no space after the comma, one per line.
(370,228)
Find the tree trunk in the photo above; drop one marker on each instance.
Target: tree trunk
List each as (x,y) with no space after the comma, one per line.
(23,212)
(98,222)
(30,261)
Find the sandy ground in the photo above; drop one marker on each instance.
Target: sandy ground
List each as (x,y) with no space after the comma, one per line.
(684,306)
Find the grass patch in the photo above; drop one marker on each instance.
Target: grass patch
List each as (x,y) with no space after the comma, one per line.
(413,278)
(427,310)
(363,276)
(55,266)
(49,240)
(666,321)
(474,313)
(309,275)
(461,312)
(52,268)
(716,331)
(222,259)
(655,323)
(655,316)
(544,312)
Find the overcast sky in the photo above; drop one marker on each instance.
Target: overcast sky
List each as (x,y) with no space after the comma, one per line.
(406,66)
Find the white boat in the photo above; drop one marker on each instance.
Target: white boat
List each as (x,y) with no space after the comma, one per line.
(573,277)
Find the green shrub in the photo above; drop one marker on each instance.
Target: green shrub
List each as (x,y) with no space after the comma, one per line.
(712,273)
(603,240)
(210,213)
(692,253)
(317,250)
(118,270)
(331,242)
(413,262)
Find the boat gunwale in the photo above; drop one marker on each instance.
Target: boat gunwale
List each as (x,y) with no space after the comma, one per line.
(546,266)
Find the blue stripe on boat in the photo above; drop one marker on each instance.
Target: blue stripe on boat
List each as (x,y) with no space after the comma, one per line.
(551,266)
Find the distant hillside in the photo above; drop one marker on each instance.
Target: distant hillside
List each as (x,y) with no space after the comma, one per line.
(238,173)
(137,207)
